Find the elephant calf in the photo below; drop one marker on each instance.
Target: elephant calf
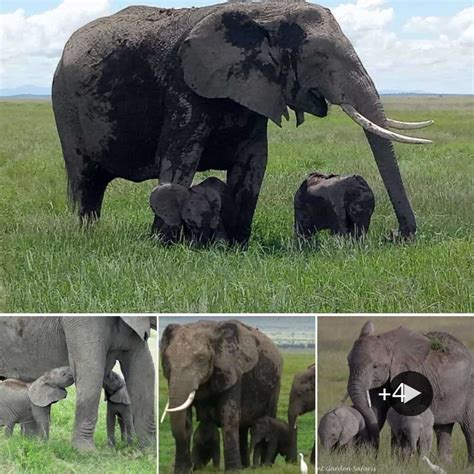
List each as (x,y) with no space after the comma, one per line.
(30,403)
(341,204)
(411,434)
(205,212)
(206,445)
(118,408)
(343,426)
(269,437)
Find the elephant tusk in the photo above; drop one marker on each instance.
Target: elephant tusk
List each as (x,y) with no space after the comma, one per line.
(380,131)
(368,399)
(185,405)
(408,125)
(165,411)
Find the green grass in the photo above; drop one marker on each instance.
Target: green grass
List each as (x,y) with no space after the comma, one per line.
(293,362)
(335,338)
(51,265)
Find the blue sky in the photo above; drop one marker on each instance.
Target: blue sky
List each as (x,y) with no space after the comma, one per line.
(409,45)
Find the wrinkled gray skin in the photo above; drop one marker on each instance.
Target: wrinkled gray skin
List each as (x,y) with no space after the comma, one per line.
(118,408)
(234,369)
(90,345)
(206,445)
(411,434)
(342,427)
(154,93)
(376,359)
(30,403)
(341,204)
(205,212)
(269,437)
(302,400)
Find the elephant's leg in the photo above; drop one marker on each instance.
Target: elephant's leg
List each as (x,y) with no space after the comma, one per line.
(127,420)
(271,452)
(216,455)
(257,454)
(42,416)
(244,447)
(468,430)
(229,410)
(245,178)
(443,436)
(312,458)
(9,429)
(110,426)
(182,438)
(139,372)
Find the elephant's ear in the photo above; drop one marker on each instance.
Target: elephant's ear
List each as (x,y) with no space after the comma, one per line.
(42,394)
(120,396)
(140,324)
(349,430)
(167,200)
(235,353)
(409,349)
(167,337)
(367,329)
(229,55)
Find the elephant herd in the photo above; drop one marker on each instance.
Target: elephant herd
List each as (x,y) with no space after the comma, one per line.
(374,361)
(229,374)
(41,356)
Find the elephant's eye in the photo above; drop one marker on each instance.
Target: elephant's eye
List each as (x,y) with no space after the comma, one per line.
(375,365)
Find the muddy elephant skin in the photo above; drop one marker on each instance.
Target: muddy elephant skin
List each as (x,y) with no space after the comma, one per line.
(206,445)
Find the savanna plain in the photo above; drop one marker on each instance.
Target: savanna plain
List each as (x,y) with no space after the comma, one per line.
(335,338)
(293,362)
(20,455)
(50,264)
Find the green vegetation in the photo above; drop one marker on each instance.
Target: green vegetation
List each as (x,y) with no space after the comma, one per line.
(51,265)
(293,362)
(436,343)
(335,339)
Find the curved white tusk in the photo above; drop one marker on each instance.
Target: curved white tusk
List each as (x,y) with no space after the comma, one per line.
(165,411)
(408,125)
(377,130)
(185,405)
(368,399)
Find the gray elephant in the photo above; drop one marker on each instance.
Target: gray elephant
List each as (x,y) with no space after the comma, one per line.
(29,404)
(205,212)
(341,204)
(411,434)
(302,400)
(90,345)
(376,359)
(230,373)
(163,93)
(118,408)
(342,427)
(206,445)
(269,438)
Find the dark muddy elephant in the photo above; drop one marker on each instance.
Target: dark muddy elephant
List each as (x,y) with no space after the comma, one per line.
(230,373)
(376,359)
(302,400)
(155,93)
(206,445)
(90,345)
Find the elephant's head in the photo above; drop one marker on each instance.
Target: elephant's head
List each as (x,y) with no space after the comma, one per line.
(330,430)
(302,400)
(141,325)
(375,360)
(115,389)
(50,387)
(262,430)
(268,57)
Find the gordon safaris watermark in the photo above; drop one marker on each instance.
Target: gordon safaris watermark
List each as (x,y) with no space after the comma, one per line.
(342,468)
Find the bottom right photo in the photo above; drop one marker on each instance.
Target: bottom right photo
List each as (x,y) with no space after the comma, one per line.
(395,394)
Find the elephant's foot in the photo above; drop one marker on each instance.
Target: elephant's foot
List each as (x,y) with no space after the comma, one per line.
(84,445)
(398,237)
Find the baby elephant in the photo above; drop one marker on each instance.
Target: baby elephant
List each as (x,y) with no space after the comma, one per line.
(343,426)
(268,438)
(411,434)
(30,403)
(205,212)
(206,445)
(118,408)
(341,204)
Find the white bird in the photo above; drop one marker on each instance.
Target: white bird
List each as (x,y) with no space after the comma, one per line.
(434,467)
(303,465)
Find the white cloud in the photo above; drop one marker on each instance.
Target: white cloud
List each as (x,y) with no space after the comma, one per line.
(31,45)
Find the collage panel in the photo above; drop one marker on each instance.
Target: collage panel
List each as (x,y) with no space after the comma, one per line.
(396,394)
(78,394)
(237,391)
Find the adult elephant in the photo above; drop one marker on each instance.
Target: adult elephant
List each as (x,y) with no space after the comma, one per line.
(230,373)
(302,400)
(155,93)
(90,345)
(376,359)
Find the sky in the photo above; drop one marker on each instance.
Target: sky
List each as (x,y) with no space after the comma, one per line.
(406,45)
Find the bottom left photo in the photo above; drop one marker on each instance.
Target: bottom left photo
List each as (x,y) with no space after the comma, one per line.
(78,394)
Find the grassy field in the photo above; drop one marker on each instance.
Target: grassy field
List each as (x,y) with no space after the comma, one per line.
(51,265)
(19,455)
(293,362)
(335,338)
